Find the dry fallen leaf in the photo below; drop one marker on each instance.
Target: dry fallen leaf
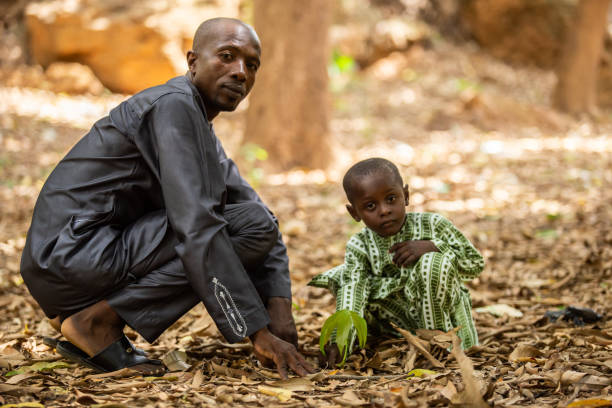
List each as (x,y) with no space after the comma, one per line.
(416,343)
(280,393)
(525,353)
(500,310)
(471,396)
(293,384)
(591,402)
(176,360)
(350,399)
(197,380)
(449,391)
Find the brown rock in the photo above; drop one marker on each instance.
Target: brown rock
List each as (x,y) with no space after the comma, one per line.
(128,45)
(73,78)
(124,54)
(519,31)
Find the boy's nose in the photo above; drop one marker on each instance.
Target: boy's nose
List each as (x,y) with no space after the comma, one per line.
(385,209)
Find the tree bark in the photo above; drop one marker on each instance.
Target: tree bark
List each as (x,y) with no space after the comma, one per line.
(288,107)
(577,73)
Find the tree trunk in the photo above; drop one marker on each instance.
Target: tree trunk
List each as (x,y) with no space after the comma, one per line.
(288,107)
(577,73)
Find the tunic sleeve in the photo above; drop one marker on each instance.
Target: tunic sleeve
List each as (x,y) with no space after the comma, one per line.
(447,238)
(352,285)
(272,278)
(350,282)
(178,146)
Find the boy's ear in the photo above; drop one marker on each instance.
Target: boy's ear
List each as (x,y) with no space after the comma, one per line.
(353,213)
(406,194)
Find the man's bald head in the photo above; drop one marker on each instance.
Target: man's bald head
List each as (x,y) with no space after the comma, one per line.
(223,63)
(210,29)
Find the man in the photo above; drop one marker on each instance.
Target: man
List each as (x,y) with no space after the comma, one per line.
(146,216)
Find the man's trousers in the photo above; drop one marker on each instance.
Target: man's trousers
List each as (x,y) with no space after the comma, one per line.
(156,291)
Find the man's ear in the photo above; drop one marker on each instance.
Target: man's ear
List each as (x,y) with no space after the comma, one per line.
(353,213)
(406,194)
(191,57)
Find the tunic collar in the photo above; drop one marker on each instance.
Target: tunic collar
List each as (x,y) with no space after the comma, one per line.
(397,237)
(184,83)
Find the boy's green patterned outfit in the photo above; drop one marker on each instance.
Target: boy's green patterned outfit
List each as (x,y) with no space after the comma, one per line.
(429,294)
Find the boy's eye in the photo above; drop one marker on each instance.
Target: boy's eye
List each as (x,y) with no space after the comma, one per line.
(370,206)
(391,198)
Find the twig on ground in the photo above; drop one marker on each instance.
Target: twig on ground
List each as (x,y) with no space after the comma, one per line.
(416,343)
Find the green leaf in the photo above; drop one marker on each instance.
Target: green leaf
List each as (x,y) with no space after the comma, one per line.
(342,63)
(420,372)
(40,366)
(362,328)
(342,334)
(343,321)
(546,234)
(24,405)
(252,152)
(327,330)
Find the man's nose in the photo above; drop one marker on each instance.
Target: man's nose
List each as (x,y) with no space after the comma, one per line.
(239,70)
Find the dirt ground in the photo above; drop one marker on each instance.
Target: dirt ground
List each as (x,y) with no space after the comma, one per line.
(475,141)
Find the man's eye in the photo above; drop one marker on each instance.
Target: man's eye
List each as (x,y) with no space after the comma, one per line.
(253,67)
(226,56)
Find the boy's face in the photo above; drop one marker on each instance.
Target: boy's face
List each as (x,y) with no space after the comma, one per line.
(380,201)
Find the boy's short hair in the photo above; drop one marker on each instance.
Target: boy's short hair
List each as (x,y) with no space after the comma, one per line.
(367,167)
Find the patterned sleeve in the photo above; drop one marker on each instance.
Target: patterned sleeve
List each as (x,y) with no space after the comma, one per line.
(348,282)
(447,238)
(353,285)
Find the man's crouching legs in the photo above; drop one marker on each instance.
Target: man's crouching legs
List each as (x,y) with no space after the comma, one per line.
(95,328)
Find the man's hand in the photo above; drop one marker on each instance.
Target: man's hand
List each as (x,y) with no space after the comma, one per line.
(269,347)
(331,357)
(409,252)
(282,324)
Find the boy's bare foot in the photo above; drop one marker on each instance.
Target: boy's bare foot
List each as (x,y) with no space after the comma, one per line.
(95,328)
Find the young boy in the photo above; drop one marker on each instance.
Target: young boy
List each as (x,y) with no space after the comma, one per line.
(405,268)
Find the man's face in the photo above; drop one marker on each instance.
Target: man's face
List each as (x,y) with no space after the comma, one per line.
(380,201)
(224,67)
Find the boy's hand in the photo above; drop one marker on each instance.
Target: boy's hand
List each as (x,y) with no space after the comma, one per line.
(409,252)
(282,324)
(331,357)
(267,347)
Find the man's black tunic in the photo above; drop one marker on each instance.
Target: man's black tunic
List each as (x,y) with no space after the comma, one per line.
(152,168)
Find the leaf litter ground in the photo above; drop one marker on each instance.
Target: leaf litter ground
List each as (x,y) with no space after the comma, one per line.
(475,141)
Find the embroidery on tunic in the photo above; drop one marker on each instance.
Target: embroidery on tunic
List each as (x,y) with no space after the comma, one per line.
(228,306)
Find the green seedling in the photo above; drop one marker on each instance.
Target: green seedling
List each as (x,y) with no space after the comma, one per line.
(343,321)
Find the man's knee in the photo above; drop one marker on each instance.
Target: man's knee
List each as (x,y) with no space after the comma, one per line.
(258,223)
(253,232)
